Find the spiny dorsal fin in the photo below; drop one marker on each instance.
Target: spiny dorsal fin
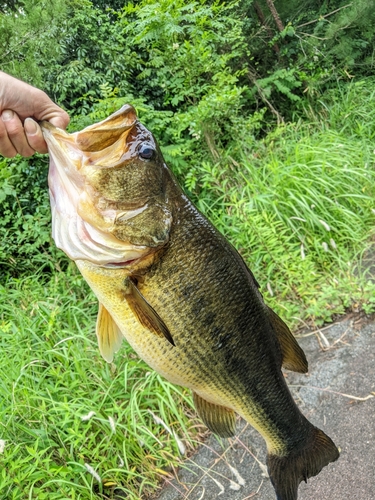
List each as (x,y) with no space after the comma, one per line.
(108,333)
(219,419)
(146,315)
(294,358)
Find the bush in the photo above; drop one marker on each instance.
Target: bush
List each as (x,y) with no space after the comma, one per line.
(25,218)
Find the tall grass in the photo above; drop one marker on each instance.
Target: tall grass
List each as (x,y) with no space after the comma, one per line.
(63,409)
(300,208)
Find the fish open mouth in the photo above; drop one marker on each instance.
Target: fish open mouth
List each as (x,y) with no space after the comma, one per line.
(79,228)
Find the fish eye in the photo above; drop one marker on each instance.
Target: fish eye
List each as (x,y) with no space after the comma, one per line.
(146,152)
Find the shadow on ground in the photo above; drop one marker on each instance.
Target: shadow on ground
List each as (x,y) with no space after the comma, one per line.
(337,395)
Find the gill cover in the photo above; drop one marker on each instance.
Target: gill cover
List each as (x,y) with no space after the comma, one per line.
(107,191)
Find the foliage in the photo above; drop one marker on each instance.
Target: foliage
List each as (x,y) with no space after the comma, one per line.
(29,37)
(350,38)
(213,63)
(92,53)
(25,219)
(326,41)
(300,207)
(67,48)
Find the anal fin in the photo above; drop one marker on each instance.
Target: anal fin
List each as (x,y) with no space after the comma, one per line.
(108,333)
(145,313)
(294,358)
(219,419)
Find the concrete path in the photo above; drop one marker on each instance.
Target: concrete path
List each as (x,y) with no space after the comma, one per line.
(336,395)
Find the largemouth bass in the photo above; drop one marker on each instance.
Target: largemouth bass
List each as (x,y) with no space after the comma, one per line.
(180,294)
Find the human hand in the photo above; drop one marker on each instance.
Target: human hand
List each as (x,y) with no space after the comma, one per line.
(19,104)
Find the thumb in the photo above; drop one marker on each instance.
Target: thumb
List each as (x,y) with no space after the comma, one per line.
(34,136)
(59,119)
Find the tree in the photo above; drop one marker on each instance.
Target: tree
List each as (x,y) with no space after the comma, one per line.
(275,15)
(29,37)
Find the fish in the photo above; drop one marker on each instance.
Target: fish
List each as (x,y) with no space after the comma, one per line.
(171,284)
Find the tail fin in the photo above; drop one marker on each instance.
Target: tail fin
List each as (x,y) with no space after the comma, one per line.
(286,472)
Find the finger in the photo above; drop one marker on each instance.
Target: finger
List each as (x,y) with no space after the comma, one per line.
(16,133)
(34,136)
(6,147)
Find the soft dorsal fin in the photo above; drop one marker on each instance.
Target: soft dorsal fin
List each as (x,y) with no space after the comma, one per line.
(294,358)
(219,419)
(108,333)
(146,315)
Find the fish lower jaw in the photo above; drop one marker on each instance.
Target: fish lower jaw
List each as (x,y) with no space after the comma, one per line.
(120,265)
(124,264)
(107,263)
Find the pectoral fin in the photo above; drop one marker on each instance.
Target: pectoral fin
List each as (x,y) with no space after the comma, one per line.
(294,358)
(219,419)
(146,315)
(108,333)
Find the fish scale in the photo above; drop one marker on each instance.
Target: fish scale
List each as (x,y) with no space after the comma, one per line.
(180,294)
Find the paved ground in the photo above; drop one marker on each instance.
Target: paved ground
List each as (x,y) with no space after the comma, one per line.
(233,469)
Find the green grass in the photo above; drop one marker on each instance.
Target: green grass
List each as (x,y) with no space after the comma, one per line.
(300,207)
(51,374)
